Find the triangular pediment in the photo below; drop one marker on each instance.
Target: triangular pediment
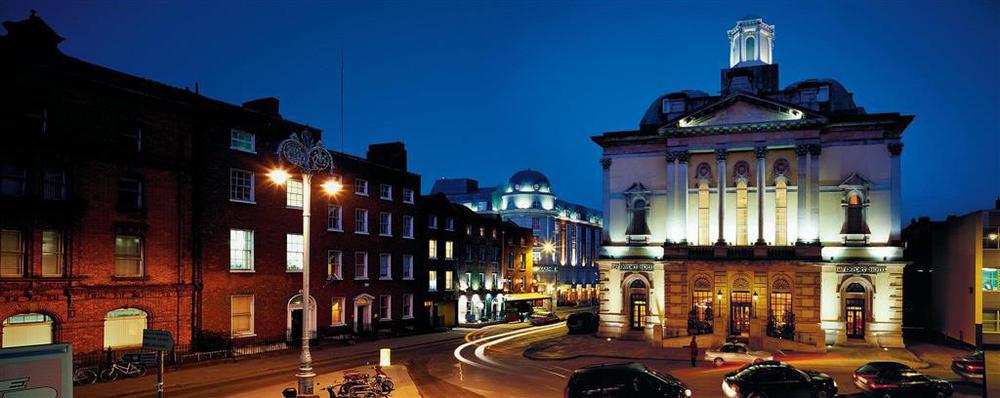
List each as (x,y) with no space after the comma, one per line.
(742,109)
(855,180)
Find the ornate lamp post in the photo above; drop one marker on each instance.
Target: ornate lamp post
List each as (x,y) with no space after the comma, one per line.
(309,156)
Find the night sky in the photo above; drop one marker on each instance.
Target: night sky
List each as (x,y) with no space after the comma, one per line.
(483,89)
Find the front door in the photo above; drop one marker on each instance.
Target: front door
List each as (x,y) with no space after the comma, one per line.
(740,314)
(638,313)
(855,310)
(296,326)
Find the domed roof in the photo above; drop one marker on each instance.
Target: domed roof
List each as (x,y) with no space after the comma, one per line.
(529,180)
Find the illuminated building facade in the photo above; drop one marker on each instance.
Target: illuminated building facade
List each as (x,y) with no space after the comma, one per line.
(567,235)
(763,214)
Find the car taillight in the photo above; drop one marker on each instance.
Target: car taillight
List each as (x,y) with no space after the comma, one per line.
(873,384)
(566,392)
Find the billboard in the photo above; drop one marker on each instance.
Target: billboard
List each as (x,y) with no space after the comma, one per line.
(38,371)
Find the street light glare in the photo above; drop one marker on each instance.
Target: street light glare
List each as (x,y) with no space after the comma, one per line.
(332,186)
(549,247)
(279,176)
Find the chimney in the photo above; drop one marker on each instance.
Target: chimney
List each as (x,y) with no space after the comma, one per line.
(266,105)
(389,154)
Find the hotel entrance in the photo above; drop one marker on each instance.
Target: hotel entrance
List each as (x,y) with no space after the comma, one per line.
(854,311)
(638,305)
(739,319)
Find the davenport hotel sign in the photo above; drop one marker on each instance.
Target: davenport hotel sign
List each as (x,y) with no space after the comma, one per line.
(860,269)
(633,267)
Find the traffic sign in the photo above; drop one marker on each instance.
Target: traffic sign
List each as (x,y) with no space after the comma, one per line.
(144,358)
(159,340)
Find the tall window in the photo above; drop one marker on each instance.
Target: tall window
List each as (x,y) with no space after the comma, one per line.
(54,187)
(385,307)
(385,191)
(361,186)
(337,311)
(12,180)
(293,194)
(294,247)
(751,49)
(448,280)
(241,186)
(780,212)
(990,279)
(128,256)
(242,141)
(449,224)
(130,193)
(240,249)
(385,266)
(123,328)
(407,195)
(27,329)
(510,259)
(432,279)
(703,238)
(407,266)
(11,254)
(432,249)
(361,221)
(781,309)
(361,265)
(432,222)
(385,224)
(638,224)
(408,227)
(407,306)
(334,218)
(991,321)
(855,219)
(241,315)
(52,253)
(741,212)
(524,261)
(334,264)
(449,250)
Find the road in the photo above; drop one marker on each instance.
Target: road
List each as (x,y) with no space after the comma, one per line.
(487,362)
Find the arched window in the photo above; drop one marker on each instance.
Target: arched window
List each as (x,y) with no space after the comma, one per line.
(741,212)
(855,288)
(27,329)
(700,318)
(781,212)
(751,50)
(123,327)
(780,308)
(854,219)
(637,284)
(703,213)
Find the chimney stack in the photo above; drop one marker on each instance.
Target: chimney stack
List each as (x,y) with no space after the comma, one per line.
(266,105)
(389,154)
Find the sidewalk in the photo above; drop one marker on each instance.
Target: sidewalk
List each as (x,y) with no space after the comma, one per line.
(400,375)
(232,372)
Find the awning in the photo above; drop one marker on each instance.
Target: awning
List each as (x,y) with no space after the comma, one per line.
(527,296)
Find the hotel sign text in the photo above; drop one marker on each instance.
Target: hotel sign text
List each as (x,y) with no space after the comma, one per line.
(633,267)
(860,269)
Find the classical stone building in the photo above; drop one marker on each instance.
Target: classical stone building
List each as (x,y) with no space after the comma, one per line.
(761,214)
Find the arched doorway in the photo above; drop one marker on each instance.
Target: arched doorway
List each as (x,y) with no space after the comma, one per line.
(27,329)
(295,322)
(363,313)
(740,304)
(855,310)
(123,327)
(477,307)
(638,304)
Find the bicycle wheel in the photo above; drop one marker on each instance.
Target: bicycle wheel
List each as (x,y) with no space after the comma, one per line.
(387,386)
(141,370)
(84,376)
(110,374)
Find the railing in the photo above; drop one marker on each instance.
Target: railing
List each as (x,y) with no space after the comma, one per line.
(743,252)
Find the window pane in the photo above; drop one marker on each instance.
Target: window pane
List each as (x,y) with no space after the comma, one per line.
(385,266)
(294,252)
(128,255)
(123,328)
(11,257)
(241,249)
(241,185)
(293,194)
(333,217)
(432,278)
(55,184)
(52,253)
(360,265)
(241,313)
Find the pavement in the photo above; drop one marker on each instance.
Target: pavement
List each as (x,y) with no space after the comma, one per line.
(400,376)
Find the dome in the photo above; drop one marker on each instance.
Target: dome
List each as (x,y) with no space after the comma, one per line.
(529,180)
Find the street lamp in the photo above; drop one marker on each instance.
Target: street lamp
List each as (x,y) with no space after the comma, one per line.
(309,156)
(754,315)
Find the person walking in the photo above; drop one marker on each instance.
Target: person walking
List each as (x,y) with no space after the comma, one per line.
(694,350)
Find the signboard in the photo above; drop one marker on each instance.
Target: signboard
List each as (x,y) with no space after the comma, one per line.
(144,358)
(37,371)
(860,269)
(633,267)
(546,268)
(159,340)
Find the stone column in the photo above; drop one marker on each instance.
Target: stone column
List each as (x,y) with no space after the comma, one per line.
(895,150)
(814,151)
(606,176)
(720,155)
(761,153)
(671,196)
(682,190)
(801,190)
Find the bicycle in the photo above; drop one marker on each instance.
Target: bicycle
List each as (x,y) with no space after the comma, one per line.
(118,369)
(85,375)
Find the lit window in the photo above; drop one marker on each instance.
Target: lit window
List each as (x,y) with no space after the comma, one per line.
(52,253)
(780,314)
(991,321)
(241,315)
(703,238)
(337,311)
(448,275)
(751,51)
(241,186)
(385,191)
(11,254)
(385,307)
(26,329)
(432,248)
(495,281)
(54,187)
(407,195)
(432,281)
(407,306)
(242,141)
(408,227)
(360,221)
(524,261)
(293,194)
(130,193)
(407,266)
(449,250)
(361,186)
(294,252)
(334,264)
(12,180)
(361,265)
(385,224)
(990,279)
(240,249)
(123,328)
(780,212)
(385,266)
(334,218)
(741,213)
(128,256)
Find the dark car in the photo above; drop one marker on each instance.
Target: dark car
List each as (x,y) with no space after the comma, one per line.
(623,380)
(582,322)
(893,379)
(538,319)
(970,367)
(777,379)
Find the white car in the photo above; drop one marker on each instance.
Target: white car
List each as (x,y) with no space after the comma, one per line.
(736,352)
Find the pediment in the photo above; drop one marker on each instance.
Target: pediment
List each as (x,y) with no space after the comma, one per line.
(742,109)
(855,180)
(636,188)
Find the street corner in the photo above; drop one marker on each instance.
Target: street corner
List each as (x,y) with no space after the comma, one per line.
(403,385)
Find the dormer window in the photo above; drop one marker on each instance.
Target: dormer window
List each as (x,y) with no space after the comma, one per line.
(673,105)
(823,94)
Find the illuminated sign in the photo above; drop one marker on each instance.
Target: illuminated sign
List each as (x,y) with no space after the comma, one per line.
(633,267)
(860,269)
(546,268)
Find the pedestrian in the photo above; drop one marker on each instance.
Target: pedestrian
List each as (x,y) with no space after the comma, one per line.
(694,350)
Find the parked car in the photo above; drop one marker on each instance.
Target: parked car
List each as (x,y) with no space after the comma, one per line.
(582,322)
(970,367)
(893,379)
(736,352)
(543,318)
(623,380)
(770,379)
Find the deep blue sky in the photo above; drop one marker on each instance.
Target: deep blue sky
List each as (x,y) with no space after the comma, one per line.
(483,89)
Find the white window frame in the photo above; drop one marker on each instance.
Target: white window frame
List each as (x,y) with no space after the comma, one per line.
(432,249)
(388,224)
(248,254)
(449,224)
(449,250)
(332,209)
(288,252)
(141,257)
(408,267)
(343,315)
(407,306)
(387,306)
(432,283)
(253,184)
(17,253)
(361,187)
(408,196)
(58,254)
(335,273)
(294,200)
(407,227)
(54,177)
(232,332)
(385,264)
(363,264)
(233,141)
(361,216)
(385,192)
(449,279)
(432,222)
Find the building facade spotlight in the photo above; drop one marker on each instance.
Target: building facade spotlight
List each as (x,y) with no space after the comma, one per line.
(549,247)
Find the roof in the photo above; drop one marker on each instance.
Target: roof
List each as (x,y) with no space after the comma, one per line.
(529,178)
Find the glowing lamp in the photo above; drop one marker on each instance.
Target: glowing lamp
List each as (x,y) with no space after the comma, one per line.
(384,357)
(719,295)
(993,236)
(754,296)
(279,176)
(549,247)
(332,186)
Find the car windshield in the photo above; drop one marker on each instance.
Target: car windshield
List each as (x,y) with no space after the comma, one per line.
(663,376)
